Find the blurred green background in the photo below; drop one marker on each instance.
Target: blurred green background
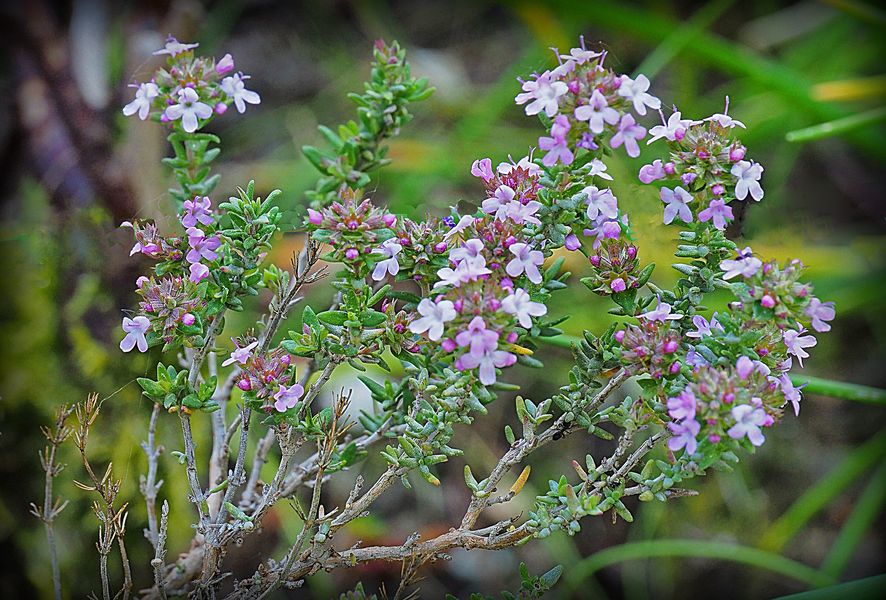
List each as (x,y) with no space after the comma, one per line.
(74,167)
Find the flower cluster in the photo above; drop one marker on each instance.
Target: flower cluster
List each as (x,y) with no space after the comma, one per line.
(266,379)
(190,90)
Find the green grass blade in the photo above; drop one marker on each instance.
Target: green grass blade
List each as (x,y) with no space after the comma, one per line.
(838,127)
(866,511)
(870,588)
(840,389)
(753,557)
(822,493)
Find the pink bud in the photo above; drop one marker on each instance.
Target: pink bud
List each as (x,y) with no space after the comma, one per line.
(221,108)
(141,281)
(714,438)
(285,360)
(675,368)
(512,337)
(448,345)
(679,134)
(618,285)
(573,86)
(188,319)
(244,385)
(717,189)
(507,283)
(314,217)
(671,346)
(459,305)
(768,301)
(729,398)
(389,220)
(351,254)
(225,65)
(670,168)
(494,304)
(595,260)
(441,247)
(736,154)
(572,242)
(632,252)
(619,335)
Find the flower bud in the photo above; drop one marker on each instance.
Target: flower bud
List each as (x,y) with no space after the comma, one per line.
(389,219)
(671,346)
(225,64)
(448,345)
(717,189)
(221,108)
(768,301)
(141,281)
(619,335)
(512,337)
(572,242)
(675,368)
(618,285)
(188,319)
(736,154)
(244,385)
(670,168)
(351,254)
(441,247)
(314,217)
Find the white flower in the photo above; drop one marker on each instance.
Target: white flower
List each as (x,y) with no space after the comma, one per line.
(524,163)
(463,223)
(389,249)
(598,169)
(543,91)
(135,334)
(724,120)
(521,305)
(433,317)
(145,93)
(497,205)
(580,55)
(188,109)
(672,130)
(635,91)
(174,47)
(745,265)
(597,113)
(471,250)
(466,270)
(748,174)
(240,355)
(526,260)
(523,213)
(234,87)
(748,420)
(600,202)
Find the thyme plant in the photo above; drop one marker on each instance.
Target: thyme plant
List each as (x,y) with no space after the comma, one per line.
(453,302)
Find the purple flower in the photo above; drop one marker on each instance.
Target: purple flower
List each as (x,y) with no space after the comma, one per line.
(466,270)
(470,250)
(600,202)
(653,172)
(488,363)
(661,312)
(677,204)
(498,204)
(748,174)
(580,55)
(389,249)
(684,436)
(748,420)
(598,169)
(745,265)
(480,339)
(682,406)
(791,393)
(523,213)
(144,96)
(225,64)
(719,212)
(572,242)
(744,366)
(463,223)
(189,109)
(628,133)
(197,210)
(597,113)
(556,146)
(606,228)
(635,91)
(198,271)
(702,327)
(201,246)
(433,317)
(618,285)
(526,260)
(174,47)
(673,130)
(135,329)
(240,355)
(482,168)
(234,87)
(797,342)
(543,92)
(820,312)
(287,397)
(521,306)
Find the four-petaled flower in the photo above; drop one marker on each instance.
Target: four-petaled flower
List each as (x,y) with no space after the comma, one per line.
(600,202)
(480,339)
(240,355)
(189,109)
(135,329)
(797,342)
(482,168)
(488,363)
(526,260)
(235,88)
(597,113)
(144,96)
(748,174)
(653,172)
(197,210)
(174,47)
(635,91)
(677,201)
(523,213)
(684,436)
(463,223)
(674,129)
(287,397)
(628,133)
(820,312)
(433,317)
(682,406)
(702,327)
(543,91)
(499,202)
(719,212)
(557,146)
(521,306)
(745,265)
(598,169)
(661,312)
(791,393)
(748,421)
(389,249)
(201,246)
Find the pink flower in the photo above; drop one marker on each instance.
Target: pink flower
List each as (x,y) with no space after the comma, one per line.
(635,91)
(482,168)
(523,213)
(201,246)
(653,172)
(197,210)
(673,130)
(198,271)
(521,306)
(135,329)
(433,317)
(470,250)
(745,265)
(628,133)
(499,202)
(682,406)
(235,88)
(791,393)
(748,420)
(144,96)
(618,285)
(225,64)
(748,174)
(526,261)
(556,145)
(744,366)
(480,339)
(677,201)
(488,363)
(600,202)
(820,312)
(797,343)
(597,113)
(287,397)
(505,168)
(719,212)
(703,327)
(543,93)
(724,120)
(189,109)
(389,249)
(240,355)
(684,436)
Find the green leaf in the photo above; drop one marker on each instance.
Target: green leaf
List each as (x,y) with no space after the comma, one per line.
(333,317)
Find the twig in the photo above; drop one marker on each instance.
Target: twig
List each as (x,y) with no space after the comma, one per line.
(148,484)
(160,550)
